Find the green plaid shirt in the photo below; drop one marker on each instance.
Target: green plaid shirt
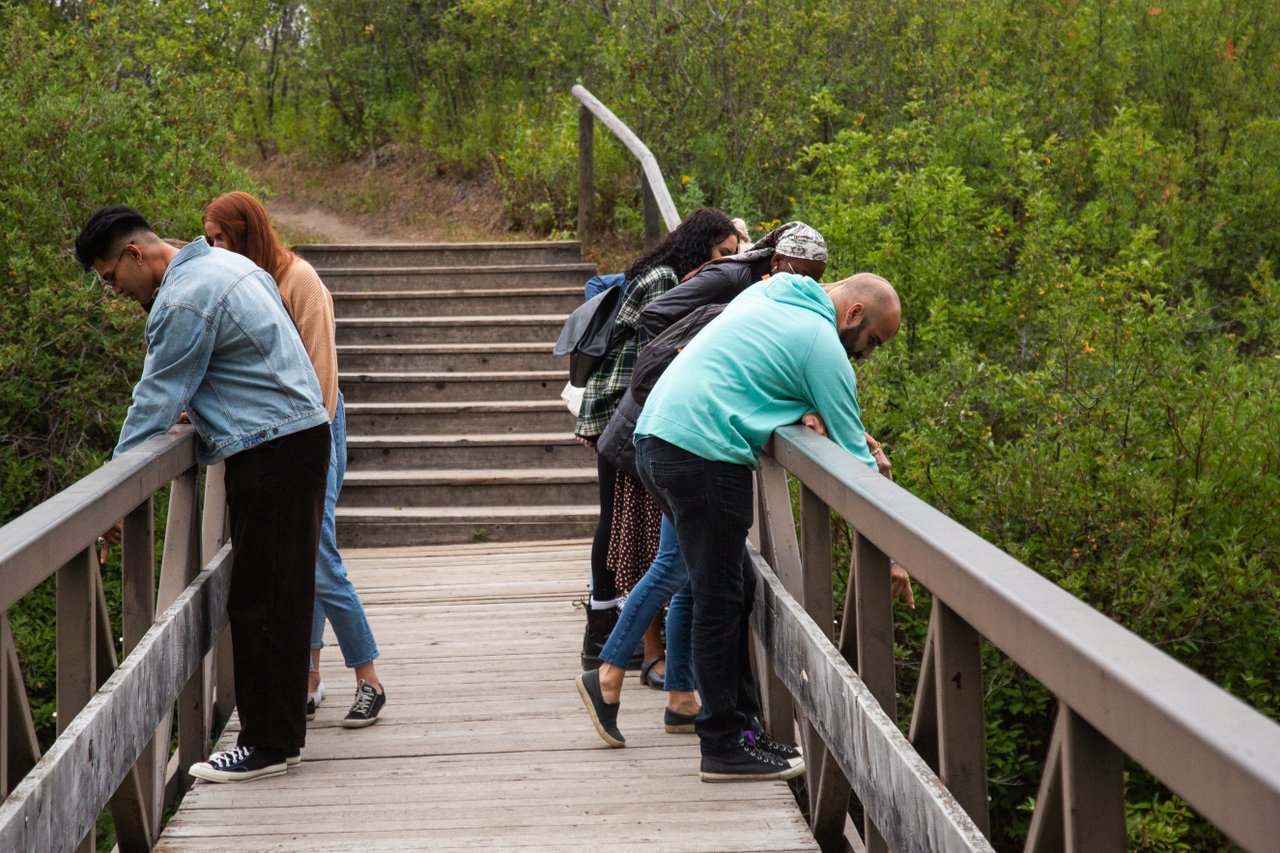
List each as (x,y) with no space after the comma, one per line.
(607,385)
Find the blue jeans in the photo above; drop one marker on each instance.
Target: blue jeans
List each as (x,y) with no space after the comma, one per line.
(336,598)
(666,579)
(710,505)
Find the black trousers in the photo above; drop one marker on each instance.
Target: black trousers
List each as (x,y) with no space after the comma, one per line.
(275,496)
(710,505)
(603,583)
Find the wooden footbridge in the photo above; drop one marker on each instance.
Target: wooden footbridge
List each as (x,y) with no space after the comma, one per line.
(463,522)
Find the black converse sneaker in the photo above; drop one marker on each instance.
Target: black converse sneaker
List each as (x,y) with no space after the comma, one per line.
(243,764)
(365,708)
(764,742)
(745,763)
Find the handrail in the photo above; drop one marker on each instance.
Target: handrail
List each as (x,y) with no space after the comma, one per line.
(1117,693)
(655,187)
(114,718)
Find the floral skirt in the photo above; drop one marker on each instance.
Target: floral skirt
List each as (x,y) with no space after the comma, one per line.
(633,537)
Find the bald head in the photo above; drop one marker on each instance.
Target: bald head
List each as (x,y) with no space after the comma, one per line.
(868,313)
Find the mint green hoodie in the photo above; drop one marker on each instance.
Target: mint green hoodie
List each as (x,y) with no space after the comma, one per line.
(773,356)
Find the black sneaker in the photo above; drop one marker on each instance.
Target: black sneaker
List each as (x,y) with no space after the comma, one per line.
(242,764)
(314,700)
(365,708)
(764,742)
(677,723)
(604,715)
(746,763)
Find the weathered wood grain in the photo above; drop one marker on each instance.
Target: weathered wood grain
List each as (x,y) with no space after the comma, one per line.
(484,743)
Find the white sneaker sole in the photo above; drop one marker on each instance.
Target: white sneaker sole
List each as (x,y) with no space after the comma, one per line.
(358,724)
(209,774)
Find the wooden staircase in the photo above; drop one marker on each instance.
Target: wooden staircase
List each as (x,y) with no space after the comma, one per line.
(455,428)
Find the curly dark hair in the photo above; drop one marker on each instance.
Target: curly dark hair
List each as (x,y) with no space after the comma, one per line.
(688,246)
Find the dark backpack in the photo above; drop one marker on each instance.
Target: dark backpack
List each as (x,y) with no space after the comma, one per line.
(588,334)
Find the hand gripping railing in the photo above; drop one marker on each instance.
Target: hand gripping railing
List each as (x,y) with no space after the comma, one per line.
(114,719)
(1117,695)
(657,200)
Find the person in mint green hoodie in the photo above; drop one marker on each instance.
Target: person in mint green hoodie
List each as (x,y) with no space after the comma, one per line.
(778,354)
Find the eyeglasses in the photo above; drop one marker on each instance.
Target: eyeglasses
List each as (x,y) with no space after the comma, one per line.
(109,279)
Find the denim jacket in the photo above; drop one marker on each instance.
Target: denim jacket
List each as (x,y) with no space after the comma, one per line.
(221,347)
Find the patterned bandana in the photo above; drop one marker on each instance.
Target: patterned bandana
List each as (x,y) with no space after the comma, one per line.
(801,241)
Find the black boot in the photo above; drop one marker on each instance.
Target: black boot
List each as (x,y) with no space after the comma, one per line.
(599,626)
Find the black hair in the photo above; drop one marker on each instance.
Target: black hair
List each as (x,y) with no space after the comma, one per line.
(688,246)
(104,231)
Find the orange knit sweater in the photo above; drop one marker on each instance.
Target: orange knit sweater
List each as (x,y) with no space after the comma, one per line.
(310,305)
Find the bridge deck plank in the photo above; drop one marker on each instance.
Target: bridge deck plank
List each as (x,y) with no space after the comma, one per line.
(483,743)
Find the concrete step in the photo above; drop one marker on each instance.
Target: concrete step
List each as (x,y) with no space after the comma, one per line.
(378,528)
(538,451)
(452,387)
(472,487)
(500,417)
(494,277)
(457,303)
(526,253)
(449,358)
(440,330)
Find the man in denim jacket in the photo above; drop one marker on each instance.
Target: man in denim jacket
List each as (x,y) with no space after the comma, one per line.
(221,347)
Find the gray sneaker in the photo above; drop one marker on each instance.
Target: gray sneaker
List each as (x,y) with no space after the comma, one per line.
(365,708)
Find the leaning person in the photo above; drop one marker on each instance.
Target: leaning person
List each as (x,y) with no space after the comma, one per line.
(221,347)
(778,353)
(620,543)
(238,222)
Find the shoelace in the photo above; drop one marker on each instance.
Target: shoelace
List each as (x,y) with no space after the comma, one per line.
(223,760)
(364,699)
(759,754)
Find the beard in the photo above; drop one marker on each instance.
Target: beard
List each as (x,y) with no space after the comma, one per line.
(849,339)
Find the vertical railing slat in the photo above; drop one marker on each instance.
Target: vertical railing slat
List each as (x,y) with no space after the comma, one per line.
(1092,789)
(586,176)
(829,790)
(21,748)
(871,591)
(780,549)
(76,653)
(962,751)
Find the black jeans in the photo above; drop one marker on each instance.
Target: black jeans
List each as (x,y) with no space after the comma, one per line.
(275,496)
(603,583)
(710,505)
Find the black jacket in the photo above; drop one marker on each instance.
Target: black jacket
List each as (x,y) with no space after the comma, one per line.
(716,283)
(615,443)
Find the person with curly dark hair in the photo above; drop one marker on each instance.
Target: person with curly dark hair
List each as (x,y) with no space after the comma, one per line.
(705,234)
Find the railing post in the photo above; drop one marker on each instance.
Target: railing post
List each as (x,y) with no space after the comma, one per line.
(779,547)
(828,788)
(138,606)
(652,219)
(586,175)
(1092,788)
(77,602)
(874,606)
(962,751)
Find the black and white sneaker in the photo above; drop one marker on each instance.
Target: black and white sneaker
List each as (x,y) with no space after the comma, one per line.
(745,763)
(314,700)
(243,764)
(764,742)
(365,708)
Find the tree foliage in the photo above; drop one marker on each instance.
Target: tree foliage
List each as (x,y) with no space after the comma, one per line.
(1077,200)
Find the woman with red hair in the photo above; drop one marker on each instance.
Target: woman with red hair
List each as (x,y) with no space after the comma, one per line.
(237,221)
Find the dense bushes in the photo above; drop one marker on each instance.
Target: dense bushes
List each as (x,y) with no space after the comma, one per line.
(1078,201)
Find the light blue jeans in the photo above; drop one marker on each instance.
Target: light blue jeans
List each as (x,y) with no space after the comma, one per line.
(336,598)
(667,578)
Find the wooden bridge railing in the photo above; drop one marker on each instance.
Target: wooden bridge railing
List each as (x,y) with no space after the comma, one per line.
(114,719)
(657,200)
(1117,695)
